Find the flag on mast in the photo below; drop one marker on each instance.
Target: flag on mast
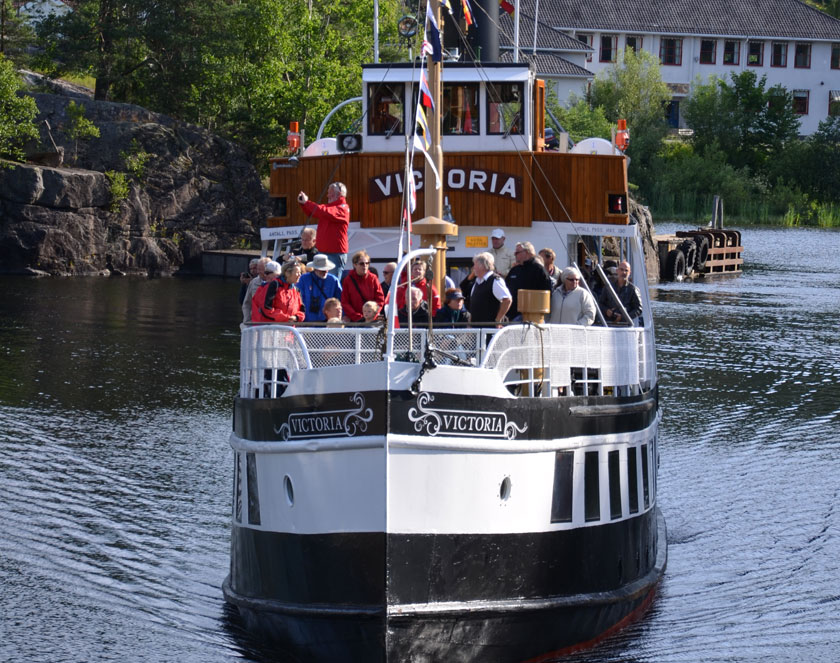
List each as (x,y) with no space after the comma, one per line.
(507,6)
(425,92)
(468,16)
(433,34)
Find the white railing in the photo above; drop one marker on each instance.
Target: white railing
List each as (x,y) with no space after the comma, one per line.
(545,360)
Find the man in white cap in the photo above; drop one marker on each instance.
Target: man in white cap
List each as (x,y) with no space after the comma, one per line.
(317,286)
(502,257)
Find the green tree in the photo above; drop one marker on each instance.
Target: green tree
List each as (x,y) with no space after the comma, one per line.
(79,127)
(579,119)
(15,32)
(751,124)
(17,113)
(633,89)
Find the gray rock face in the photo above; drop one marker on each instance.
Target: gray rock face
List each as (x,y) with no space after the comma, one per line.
(643,217)
(195,192)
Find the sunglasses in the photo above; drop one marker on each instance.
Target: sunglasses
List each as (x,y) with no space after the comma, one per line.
(362,262)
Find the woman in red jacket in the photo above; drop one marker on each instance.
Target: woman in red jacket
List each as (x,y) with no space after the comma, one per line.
(358,287)
(279,300)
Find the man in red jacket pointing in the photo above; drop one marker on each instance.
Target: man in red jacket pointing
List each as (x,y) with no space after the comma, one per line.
(333,219)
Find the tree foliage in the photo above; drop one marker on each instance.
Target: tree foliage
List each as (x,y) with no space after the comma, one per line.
(17,113)
(578,119)
(632,89)
(15,33)
(750,123)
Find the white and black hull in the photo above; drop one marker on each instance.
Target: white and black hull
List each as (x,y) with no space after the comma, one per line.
(389,525)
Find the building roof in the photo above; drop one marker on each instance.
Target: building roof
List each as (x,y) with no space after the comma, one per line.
(548,64)
(547,37)
(777,19)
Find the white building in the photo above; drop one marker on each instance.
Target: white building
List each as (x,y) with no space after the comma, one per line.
(793,44)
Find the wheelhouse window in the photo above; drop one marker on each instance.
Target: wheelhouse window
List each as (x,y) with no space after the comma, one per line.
(731,52)
(779,58)
(609,44)
(670,51)
(834,103)
(708,51)
(504,108)
(800,102)
(755,54)
(460,114)
(385,109)
(634,43)
(835,56)
(802,56)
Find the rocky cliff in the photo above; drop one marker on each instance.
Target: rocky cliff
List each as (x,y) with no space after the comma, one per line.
(184,190)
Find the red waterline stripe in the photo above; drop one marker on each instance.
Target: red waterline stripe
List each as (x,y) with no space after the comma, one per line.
(633,616)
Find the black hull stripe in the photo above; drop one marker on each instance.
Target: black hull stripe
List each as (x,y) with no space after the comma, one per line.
(390,413)
(350,569)
(500,631)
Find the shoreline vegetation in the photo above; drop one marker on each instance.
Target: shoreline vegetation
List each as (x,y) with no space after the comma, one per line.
(743,144)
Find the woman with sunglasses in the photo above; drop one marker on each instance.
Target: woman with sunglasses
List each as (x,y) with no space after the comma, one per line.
(571,304)
(358,287)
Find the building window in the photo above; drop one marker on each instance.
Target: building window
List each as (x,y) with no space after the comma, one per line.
(779,54)
(459,110)
(802,56)
(755,54)
(670,51)
(586,39)
(504,108)
(834,103)
(708,51)
(634,43)
(385,109)
(835,56)
(731,52)
(800,102)
(609,44)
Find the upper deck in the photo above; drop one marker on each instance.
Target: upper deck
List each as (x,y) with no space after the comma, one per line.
(497,171)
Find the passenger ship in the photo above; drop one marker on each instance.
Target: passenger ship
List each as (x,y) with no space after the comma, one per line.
(471,494)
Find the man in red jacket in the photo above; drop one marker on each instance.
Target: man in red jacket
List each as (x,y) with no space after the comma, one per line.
(358,287)
(333,220)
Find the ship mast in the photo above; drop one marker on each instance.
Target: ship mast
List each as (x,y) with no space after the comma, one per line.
(432,229)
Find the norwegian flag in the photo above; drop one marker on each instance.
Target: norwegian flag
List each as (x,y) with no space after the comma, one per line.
(507,6)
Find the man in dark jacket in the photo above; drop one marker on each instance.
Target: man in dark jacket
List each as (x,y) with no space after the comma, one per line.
(628,294)
(419,312)
(453,310)
(526,274)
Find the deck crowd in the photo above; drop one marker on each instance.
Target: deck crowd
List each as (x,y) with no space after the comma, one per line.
(312,284)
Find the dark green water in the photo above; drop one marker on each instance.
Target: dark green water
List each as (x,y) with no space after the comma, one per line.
(115,402)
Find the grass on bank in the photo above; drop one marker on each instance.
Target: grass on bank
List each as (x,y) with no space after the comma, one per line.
(692,207)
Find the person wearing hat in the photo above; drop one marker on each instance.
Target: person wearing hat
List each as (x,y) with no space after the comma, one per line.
(570,303)
(333,221)
(453,310)
(317,286)
(551,141)
(503,258)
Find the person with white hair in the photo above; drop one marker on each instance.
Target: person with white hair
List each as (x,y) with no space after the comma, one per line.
(571,304)
(419,311)
(255,283)
(278,300)
(333,221)
(490,298)
(245,278)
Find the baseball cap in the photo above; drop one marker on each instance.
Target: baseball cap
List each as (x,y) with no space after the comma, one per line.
(498,233)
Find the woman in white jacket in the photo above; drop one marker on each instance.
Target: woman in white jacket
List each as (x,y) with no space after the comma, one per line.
(571,304)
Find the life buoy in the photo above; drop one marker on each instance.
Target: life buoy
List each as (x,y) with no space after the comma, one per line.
(674,265)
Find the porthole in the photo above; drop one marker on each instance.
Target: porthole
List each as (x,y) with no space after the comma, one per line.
(290,490)
(504,489)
